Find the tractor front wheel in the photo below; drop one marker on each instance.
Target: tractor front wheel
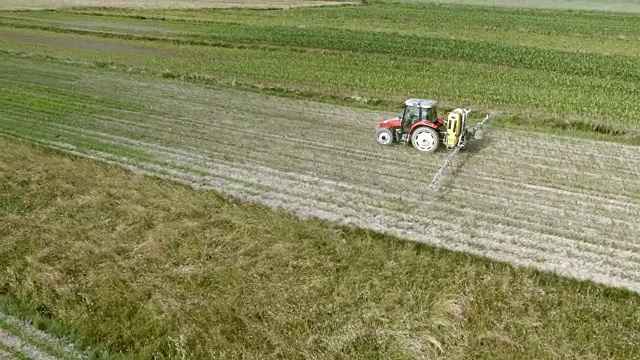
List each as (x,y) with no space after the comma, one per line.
(425,139)
(384,136)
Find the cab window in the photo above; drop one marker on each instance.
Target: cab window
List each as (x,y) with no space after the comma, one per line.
(428,114)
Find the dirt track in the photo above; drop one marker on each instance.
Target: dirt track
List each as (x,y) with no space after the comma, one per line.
(556,204)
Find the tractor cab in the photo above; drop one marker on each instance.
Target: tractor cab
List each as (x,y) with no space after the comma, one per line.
(418,110)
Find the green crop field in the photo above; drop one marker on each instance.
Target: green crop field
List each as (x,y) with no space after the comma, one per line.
(549,70)
(153,161)
(630,6)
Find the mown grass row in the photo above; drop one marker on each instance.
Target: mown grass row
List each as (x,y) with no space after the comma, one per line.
(18,332)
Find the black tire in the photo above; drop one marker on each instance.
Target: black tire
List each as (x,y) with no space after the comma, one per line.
(425,139)
(384,136)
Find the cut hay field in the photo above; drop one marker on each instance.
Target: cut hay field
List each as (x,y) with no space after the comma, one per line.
(278,108)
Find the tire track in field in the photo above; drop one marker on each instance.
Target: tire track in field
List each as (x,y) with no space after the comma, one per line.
(23,341)
(523,198)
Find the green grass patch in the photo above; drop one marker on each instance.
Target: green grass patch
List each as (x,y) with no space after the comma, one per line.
(14,353)
(619,6)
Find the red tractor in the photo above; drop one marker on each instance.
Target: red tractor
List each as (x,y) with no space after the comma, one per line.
(418,125)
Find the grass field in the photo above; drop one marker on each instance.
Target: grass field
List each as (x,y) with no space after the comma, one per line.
(278,108)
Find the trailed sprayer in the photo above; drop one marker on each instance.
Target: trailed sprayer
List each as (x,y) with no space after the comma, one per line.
(420,126)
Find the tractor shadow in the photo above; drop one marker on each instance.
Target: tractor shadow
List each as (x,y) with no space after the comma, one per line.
(474,147)
(477,146)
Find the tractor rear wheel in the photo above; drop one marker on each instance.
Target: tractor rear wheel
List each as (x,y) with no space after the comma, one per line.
(384,136)
(425,139)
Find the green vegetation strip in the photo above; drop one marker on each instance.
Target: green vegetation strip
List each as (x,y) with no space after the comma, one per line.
(152,268)
(46,347)
(16,354)
(622,6)
(404,46)
(443,20)
(315,76)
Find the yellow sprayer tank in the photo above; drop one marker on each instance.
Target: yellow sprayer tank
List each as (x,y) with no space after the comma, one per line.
(454,127)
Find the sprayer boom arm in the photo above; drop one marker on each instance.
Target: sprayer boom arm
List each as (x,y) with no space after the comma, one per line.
(480,124)
(449,160)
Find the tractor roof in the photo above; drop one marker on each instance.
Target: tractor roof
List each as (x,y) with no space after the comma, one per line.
(421,103)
